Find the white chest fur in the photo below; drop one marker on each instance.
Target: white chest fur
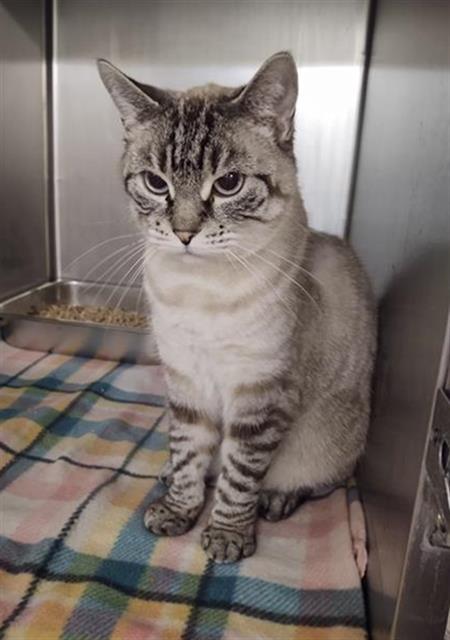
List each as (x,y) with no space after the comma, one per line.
(215,346)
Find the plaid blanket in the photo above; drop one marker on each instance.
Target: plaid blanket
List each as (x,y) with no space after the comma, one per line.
(82,442)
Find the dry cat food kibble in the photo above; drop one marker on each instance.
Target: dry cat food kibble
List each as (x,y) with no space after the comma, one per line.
(99,315)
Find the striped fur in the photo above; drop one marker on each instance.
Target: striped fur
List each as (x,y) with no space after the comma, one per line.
(265,327)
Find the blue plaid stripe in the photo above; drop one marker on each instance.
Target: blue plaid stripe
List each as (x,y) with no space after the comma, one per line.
(104,388)
(28,404)
(137,578)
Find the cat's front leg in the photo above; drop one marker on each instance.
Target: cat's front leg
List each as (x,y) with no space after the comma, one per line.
(247,450)
(193,441)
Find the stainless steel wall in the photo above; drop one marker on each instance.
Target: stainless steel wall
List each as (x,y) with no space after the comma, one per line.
(23,225)
(401,229)
(177,44)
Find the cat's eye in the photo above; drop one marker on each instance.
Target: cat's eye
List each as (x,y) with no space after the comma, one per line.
(155,184)
(229,184)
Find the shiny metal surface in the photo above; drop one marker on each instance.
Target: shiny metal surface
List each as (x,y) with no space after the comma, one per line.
(401,229)
(77,338)
(178,44)
(23,230)
(447,381)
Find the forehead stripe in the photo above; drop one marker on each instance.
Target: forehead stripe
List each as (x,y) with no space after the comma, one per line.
(201,154)
(216,152)
(208,120)
(162,159)
(191,133)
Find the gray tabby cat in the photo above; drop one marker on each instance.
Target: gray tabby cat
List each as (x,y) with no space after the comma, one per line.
(266,329)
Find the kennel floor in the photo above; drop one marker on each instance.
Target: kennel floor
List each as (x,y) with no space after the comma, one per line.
(82,442)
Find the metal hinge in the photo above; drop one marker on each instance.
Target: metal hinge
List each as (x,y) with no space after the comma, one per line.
(438,470)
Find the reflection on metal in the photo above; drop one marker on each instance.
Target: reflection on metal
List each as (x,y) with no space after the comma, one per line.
(23,236)
(326,128)
(179,44)
(440,534)
(438,473)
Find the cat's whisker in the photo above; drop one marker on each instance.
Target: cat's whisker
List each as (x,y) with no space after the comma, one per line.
(260,277)
(100,244)
(137,261)
(286,275)
(135,270)
(121,250)
(121,288)
(112,270)
(295,264)
(228,257)
(148,257)
(104,278)
(140,267)
(282,301)
(299,266)
(141,291)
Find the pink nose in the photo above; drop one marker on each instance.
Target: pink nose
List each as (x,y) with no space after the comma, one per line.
(185,236)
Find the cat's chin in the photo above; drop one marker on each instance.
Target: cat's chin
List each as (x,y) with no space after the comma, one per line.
(188,254)
(185,254)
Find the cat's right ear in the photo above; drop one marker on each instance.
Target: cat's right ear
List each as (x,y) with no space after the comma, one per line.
(136,103)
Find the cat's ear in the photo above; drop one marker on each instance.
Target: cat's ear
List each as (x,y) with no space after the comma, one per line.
(136,102)
(272,92)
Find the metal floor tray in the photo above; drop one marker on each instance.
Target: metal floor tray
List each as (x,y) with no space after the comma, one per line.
(23,328)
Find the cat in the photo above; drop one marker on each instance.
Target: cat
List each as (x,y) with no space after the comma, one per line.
(265,328)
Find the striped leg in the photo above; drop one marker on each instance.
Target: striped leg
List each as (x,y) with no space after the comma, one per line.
(246,454)
(193,440)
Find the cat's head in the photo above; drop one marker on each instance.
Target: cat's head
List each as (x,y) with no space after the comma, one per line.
(211,168)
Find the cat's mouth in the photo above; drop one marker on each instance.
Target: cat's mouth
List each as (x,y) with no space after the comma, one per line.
(188,253)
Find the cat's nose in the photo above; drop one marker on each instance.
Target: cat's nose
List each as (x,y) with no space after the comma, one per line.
(185,236)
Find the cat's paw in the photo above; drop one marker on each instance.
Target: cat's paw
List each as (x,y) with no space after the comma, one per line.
(277,505)
(163,521)
(225,546)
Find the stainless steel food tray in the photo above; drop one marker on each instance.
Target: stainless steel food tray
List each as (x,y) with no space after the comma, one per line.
(21,329)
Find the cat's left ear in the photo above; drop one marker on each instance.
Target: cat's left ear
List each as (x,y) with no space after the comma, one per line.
(272,92)
(136,102)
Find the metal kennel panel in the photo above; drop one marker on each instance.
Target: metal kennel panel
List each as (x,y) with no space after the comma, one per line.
(401,229)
